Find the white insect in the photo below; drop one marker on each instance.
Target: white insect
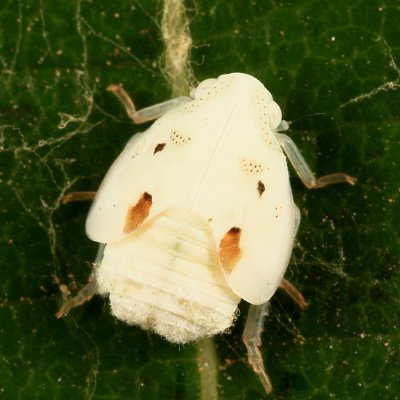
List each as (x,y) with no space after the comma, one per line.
(197,213)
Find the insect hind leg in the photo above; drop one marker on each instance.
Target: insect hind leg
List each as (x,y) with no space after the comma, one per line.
(252,340)
(87,292)
(84,295)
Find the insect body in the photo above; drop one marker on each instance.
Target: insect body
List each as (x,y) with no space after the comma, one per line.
(197,212)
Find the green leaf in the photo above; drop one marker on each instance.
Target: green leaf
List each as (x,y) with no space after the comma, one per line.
(334,67)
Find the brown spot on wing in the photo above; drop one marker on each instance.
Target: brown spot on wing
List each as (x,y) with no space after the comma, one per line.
(159,147)
(137,213)
(229,249)
(260,188)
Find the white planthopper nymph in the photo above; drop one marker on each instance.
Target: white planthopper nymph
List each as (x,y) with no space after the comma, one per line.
(197,213)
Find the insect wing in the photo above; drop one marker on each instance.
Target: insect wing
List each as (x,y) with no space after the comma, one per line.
(158,169)
(216,156)
(245,195)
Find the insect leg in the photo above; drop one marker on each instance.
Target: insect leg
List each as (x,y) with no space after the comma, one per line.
(282,127)
(84,295)
(252,340)
(293,293)
(148,113)
(297,219)
(303,170)
(87,292)
(78,196)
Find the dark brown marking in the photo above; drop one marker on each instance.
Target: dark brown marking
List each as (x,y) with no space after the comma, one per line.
(159,147)
(229,249)
(260,188)
(137,213)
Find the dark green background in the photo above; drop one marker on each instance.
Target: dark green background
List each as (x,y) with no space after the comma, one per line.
(314,56)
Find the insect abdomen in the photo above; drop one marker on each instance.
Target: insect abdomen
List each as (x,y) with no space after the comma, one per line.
(166,278)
